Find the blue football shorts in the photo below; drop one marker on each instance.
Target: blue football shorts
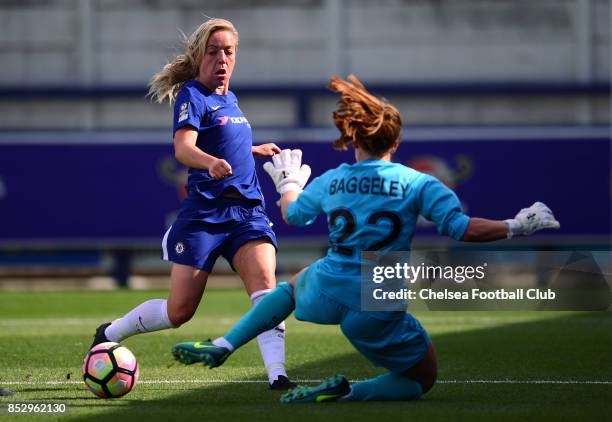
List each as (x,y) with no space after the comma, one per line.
(396,344)
(200,235)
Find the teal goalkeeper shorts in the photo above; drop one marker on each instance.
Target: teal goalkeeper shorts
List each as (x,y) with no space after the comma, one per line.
(397,344)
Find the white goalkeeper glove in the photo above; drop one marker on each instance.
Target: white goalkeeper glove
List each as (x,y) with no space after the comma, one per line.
(287,171)
(529,220)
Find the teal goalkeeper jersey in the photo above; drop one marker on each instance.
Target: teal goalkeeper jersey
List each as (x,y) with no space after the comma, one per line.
(372,205)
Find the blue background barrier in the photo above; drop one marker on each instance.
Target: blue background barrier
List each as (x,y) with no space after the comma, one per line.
(125,194)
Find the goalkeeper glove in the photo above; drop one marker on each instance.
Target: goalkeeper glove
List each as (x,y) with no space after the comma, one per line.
(529,220)
(287,171)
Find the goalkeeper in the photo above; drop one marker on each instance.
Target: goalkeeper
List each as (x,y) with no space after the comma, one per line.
(360,218)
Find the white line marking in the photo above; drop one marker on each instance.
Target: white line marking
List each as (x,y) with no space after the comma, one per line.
(210,381)
(603,382)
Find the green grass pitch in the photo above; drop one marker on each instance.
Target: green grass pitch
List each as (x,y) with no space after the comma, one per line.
(492,365)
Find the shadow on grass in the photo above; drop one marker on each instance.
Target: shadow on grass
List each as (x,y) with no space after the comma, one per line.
(42,389)
(569,347)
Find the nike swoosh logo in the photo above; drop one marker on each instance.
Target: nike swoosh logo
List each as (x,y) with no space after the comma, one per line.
(324,397)
(142,325)
(199,345)
(214,108)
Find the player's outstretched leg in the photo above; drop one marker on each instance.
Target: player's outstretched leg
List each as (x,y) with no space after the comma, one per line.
(332,389)
(410,384)
(149,316)
(385,387)
(267,314)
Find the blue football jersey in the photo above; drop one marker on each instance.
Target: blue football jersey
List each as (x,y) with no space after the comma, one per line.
(372,205)
(223,132)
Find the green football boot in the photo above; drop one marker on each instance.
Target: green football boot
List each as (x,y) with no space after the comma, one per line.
(200,351)
(332,389)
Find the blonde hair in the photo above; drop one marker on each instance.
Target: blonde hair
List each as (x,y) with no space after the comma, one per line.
(169,81)
(367,121)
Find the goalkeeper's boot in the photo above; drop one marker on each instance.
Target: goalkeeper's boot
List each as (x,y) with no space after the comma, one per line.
(100,337)
(332,389)
(200,351)
(282,383)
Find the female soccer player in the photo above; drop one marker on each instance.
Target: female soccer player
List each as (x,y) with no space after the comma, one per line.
(360,218)
(224,212)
